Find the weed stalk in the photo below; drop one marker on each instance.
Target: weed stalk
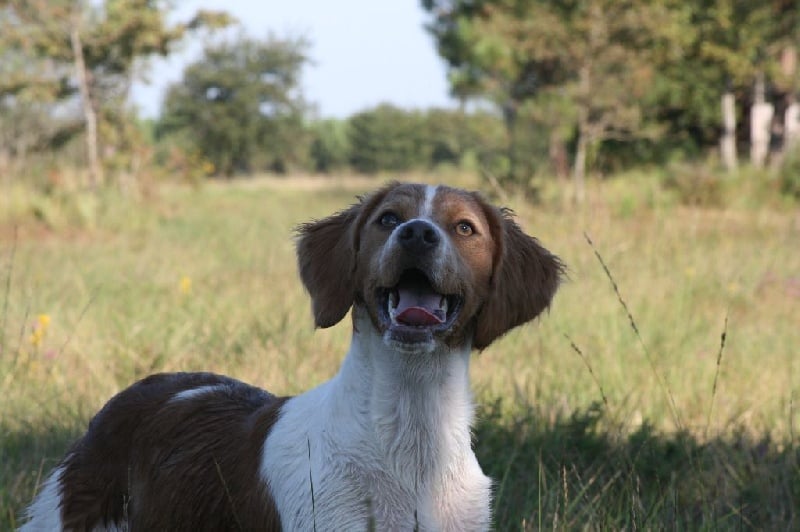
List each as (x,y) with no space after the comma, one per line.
(661,381)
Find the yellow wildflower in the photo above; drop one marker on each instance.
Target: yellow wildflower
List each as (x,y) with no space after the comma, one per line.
(185,285)
(43,320)
(39,330)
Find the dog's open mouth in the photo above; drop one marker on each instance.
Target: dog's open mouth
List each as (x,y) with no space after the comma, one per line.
(414,309)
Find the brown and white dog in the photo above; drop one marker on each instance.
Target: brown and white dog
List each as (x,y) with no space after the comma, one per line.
(431,273)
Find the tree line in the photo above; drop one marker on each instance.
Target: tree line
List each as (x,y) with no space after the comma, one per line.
(631,79)
(240,110)
(550,87)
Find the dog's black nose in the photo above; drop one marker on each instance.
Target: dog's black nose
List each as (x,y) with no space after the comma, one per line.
(418,236)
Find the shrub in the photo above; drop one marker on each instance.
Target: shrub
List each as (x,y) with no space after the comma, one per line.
(330,147)
(789,174)
(696,184)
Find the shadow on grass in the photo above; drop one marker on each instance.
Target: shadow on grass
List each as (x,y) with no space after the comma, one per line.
(572,473)
(26,457)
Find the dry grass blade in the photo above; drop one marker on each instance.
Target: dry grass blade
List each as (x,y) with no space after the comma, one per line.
(6,295)
(589,367)
(661,382)
(722,338)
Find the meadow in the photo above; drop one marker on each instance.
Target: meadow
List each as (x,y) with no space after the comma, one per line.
(661,391)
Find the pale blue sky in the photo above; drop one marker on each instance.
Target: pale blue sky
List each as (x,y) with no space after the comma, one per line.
(364,52)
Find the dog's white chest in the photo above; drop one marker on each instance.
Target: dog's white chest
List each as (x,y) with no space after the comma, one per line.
(328,469)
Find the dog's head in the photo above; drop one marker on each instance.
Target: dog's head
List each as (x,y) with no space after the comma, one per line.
(429,265)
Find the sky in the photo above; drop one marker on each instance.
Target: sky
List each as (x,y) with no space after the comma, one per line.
(363,52)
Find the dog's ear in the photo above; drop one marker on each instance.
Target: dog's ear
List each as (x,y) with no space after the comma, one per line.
(524,280)
(327,251)
(326,260)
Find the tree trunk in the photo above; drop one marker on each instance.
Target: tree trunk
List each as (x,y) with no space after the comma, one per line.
(760,122)
(791,117)
(510,120)
(579,170)
(728,140)
(791,126)
(557,152)
(89,115)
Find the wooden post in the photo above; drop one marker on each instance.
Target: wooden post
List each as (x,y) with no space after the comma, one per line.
(791,126)
(728,140)
(791,118)
(760,122)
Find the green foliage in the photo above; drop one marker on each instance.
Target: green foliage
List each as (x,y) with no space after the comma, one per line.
(609,77)
(38,65)
(789,173)
(330,145)
(475,140)
(389,138)
(385,138)
(582,468)
(696,184)
(241,107)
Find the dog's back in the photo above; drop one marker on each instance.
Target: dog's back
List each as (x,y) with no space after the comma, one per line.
(187,441)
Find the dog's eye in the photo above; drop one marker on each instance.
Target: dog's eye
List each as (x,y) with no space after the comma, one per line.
(464,228)
(389,219)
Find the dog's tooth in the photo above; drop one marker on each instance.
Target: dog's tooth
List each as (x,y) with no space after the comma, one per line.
(391,305)
(443,304)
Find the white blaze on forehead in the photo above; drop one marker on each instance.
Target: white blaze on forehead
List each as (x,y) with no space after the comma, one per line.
(427,207)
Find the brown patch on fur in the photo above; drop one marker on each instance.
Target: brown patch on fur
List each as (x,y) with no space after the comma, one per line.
(525,279)
(163,464)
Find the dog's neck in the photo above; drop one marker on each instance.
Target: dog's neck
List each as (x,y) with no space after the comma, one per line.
(416,406)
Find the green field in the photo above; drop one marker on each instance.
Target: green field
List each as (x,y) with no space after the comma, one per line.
(583,423)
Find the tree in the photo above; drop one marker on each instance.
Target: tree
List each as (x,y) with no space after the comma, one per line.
(68,49)
(385,138)
(720,49)
(589,61)
(612,53)
(487,45)
(330,147)
(241,105)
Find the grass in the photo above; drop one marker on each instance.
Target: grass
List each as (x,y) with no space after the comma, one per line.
(583,423)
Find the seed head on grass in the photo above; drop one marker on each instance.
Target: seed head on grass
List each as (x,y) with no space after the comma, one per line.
(722,338)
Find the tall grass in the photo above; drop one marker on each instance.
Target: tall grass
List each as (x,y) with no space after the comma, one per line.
(584,421)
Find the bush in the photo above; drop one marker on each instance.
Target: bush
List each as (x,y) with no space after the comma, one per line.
(696,184)
(330,147)
(385,138)
(789,174)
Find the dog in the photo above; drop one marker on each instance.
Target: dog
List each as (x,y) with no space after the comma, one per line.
(431,273)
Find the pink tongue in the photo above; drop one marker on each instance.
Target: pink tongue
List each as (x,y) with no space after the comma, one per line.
(419,306)
(417,316)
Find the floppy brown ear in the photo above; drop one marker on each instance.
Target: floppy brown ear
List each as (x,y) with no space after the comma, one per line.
(525,278)
(326,259)
(327,251)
